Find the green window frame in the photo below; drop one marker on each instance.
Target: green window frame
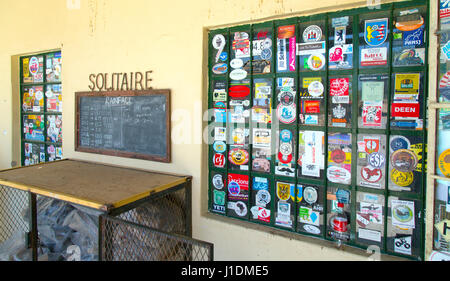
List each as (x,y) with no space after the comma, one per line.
(41,107)
(234,190)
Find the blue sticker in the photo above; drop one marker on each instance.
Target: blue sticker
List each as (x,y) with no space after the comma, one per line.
(399,142)
(285,136)
(413,38)
(219,146)
(223,56)
(220,115)
(343,196)
(260,183)
(375,31)
(234,188)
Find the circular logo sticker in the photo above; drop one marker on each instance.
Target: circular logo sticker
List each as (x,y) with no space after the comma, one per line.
(285,135)
(218,41)
(315,89)
(404,160)
(266,54)
(312,33)
(34,65)
(337,156)
(238,156)
(240,208)
(234,188)
(316,62)
(376,160)
(217,181)
(286,114)
(219,146)
(310,195)
(444,162)
(286,98)
(401,178)
(311,229)
(399,142)
(371,175)
(402,213)
(286,148)
(262,198)
(285,159)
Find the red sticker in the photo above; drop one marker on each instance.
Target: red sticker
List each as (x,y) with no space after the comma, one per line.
(219,160)
(405,110)
(312,106)
(339,87)
(239,91)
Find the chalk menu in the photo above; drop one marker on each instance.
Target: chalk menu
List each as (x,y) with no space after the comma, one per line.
(133,124)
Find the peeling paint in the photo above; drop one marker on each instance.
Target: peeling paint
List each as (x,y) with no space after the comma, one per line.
(92,4)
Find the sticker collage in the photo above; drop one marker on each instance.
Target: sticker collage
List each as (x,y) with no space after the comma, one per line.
(441,236)
(41,99)
(316,126)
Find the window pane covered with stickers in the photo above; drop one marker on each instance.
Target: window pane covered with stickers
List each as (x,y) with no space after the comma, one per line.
(322,134)
(41,110)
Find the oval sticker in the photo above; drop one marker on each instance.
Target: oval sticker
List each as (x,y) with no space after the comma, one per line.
(338,175)
(238,74)
(236,63)
(239,91)
(220,68)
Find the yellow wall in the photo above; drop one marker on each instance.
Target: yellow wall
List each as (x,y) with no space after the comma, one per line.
(168,37)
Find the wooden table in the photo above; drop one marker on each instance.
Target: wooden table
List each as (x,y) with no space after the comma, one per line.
(108,188)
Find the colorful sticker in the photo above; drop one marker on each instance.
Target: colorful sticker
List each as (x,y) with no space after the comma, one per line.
(286,48)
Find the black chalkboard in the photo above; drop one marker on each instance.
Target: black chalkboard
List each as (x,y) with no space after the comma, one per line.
(134,124)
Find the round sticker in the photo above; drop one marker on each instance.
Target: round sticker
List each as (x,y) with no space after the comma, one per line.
(402,213)
(240,208)
(218,41)
(285,159)
(286,114)
(34,65)
(286,148)
(310,195)
(219,146)
(234,188)
(219,160)
(444,162)
(267,43)
(312,33)
(286,136)
(337,156)
(404,160)
(286,98)
(220,68)
(316,61)
(371,175)
(217,181)
(399,142)
(39,95)
(262,198)
(376,160)
(266,54)
(236,63)
(401,178)
(311,229)
(238,74)
(315,89)
(238,156)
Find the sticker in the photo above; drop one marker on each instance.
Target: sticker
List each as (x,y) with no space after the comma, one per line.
(33,65)
(286,98)
(374,56)
(219,160)
(220,68)
(260,213)
(283,214)
(411,110)
(237,187)
(311,229)
(444,163)
(399,142)
(239,91)
(238,74)
(336,54)
(219,146)
(239,207)
(339,87)
(403,214)
(338,174)
(286,48)
(413,38)
(236,63)
(338,156)
(308,216)
(310,195)
(217,181)
(375,31)
(262,198)
(343,196)
(218,43)
(238,156)
(376,160)
(404,160)
(219,197)
(316,61)
(369,234)
(401,178)
(286,114)
(410,57)
(312,33)
(371,175)
(285,136)
(315,89)
(241,45)
(402,244)
(411,22)
(283,191)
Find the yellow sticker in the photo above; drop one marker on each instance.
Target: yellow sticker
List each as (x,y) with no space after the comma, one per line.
(444,162)
(283,191)
(402,178)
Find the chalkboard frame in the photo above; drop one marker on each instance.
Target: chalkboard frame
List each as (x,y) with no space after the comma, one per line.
(117,153)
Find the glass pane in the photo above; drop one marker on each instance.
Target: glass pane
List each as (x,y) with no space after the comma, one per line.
(239,55)
(238,191)
(285,204)
(404,227)
(53,67)
(286,48)
(219,54)
(54,152)
(407,101)
(340,102)
(373,103)
(54,98)
(405,163)
(339,168)
(239,101)
(339,214)
(261,152)
(33,69)
(311,154)
(311,49)
(262,50)
(373,40)
(34,153)
(219,154)
(443,145)
(239,154)
(33,127)
(310,206)
(369,219)
(285,153)
(444,66)
(54,128)
(441,216)
(262,101)
(409,36)
(261,199)
(33,99)
(218,181)
(371,161)
(285,100)
(340,53)
(312,101)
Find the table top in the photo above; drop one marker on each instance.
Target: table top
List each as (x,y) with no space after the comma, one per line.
(95,185)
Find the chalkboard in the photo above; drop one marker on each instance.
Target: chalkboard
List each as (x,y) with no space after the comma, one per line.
(133,124)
